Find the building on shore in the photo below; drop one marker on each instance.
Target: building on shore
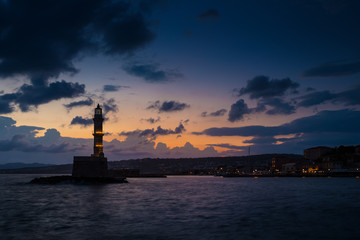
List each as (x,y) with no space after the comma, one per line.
(316,153)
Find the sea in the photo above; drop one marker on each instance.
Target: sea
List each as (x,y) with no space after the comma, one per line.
(182,207)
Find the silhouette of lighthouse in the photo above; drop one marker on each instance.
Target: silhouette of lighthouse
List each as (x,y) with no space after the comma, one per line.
(98,132)
(93,166)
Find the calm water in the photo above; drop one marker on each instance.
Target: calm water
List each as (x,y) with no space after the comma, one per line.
(182,208)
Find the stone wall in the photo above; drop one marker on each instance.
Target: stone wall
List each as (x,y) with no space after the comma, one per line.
(90,167)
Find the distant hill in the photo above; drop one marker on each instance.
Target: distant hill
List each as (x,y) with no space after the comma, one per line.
(22,165)
(183,165)
(165,165)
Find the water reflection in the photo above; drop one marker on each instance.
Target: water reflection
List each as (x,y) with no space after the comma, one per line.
(182,208)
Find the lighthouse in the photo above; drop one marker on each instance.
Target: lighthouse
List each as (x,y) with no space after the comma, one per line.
(95,165)
(98,132)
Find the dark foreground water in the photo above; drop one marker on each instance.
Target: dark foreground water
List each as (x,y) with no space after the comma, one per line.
(182,208)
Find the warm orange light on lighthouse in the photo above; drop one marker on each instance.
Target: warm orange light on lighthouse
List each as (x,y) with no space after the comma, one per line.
(98,132)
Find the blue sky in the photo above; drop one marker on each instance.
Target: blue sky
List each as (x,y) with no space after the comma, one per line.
(177,70)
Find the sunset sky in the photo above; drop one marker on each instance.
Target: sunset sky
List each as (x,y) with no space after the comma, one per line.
(177,78)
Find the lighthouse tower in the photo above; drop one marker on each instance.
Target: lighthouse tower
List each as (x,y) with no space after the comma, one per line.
(98,132)
(94,166)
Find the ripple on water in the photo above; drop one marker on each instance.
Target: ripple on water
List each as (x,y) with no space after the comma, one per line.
(182,208)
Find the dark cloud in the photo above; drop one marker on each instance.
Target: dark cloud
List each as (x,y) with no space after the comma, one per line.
(78,120)
(228,146)
(52,134)
(238,110)
(110,106)
(151,72)
(61,148)
(349,97)
(87,102)
(217,113)
(168,106)
(329,128)
(126,34)
(8,128)
(153,133)
(151,120)
(270,94)
(262,140)
(209,14)
(23,144)
(5,106)
(309,89)
(264,87)
(315,98)
(19,143)
(43,38)
(240,131)
(113,88)
(279,106)
(34,95)
(334,69)
(6,122)
(341,121)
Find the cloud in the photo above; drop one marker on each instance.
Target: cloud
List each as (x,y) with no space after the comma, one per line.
(34,95)
(238,110)
(228,146)
(151,72)
(279,106)
(329,128)
(137,147)
(44,38)
(5,106)
(113,88)
(188,150)
(264,87)
(87,102)
(349,97)
(217,113)
(168,106)
(110,106)
(125,35)
(21,142)
(18,143)
(22,139)
(309,89)
(153,133)
(8,129)
(151,120)
(341,121)
(209,14)
(333,69)
(41,40)
(270,93)
(78,120)
(6,122)
(315,98)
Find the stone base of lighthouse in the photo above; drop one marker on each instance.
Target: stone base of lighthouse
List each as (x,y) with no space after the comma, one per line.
(90,167)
